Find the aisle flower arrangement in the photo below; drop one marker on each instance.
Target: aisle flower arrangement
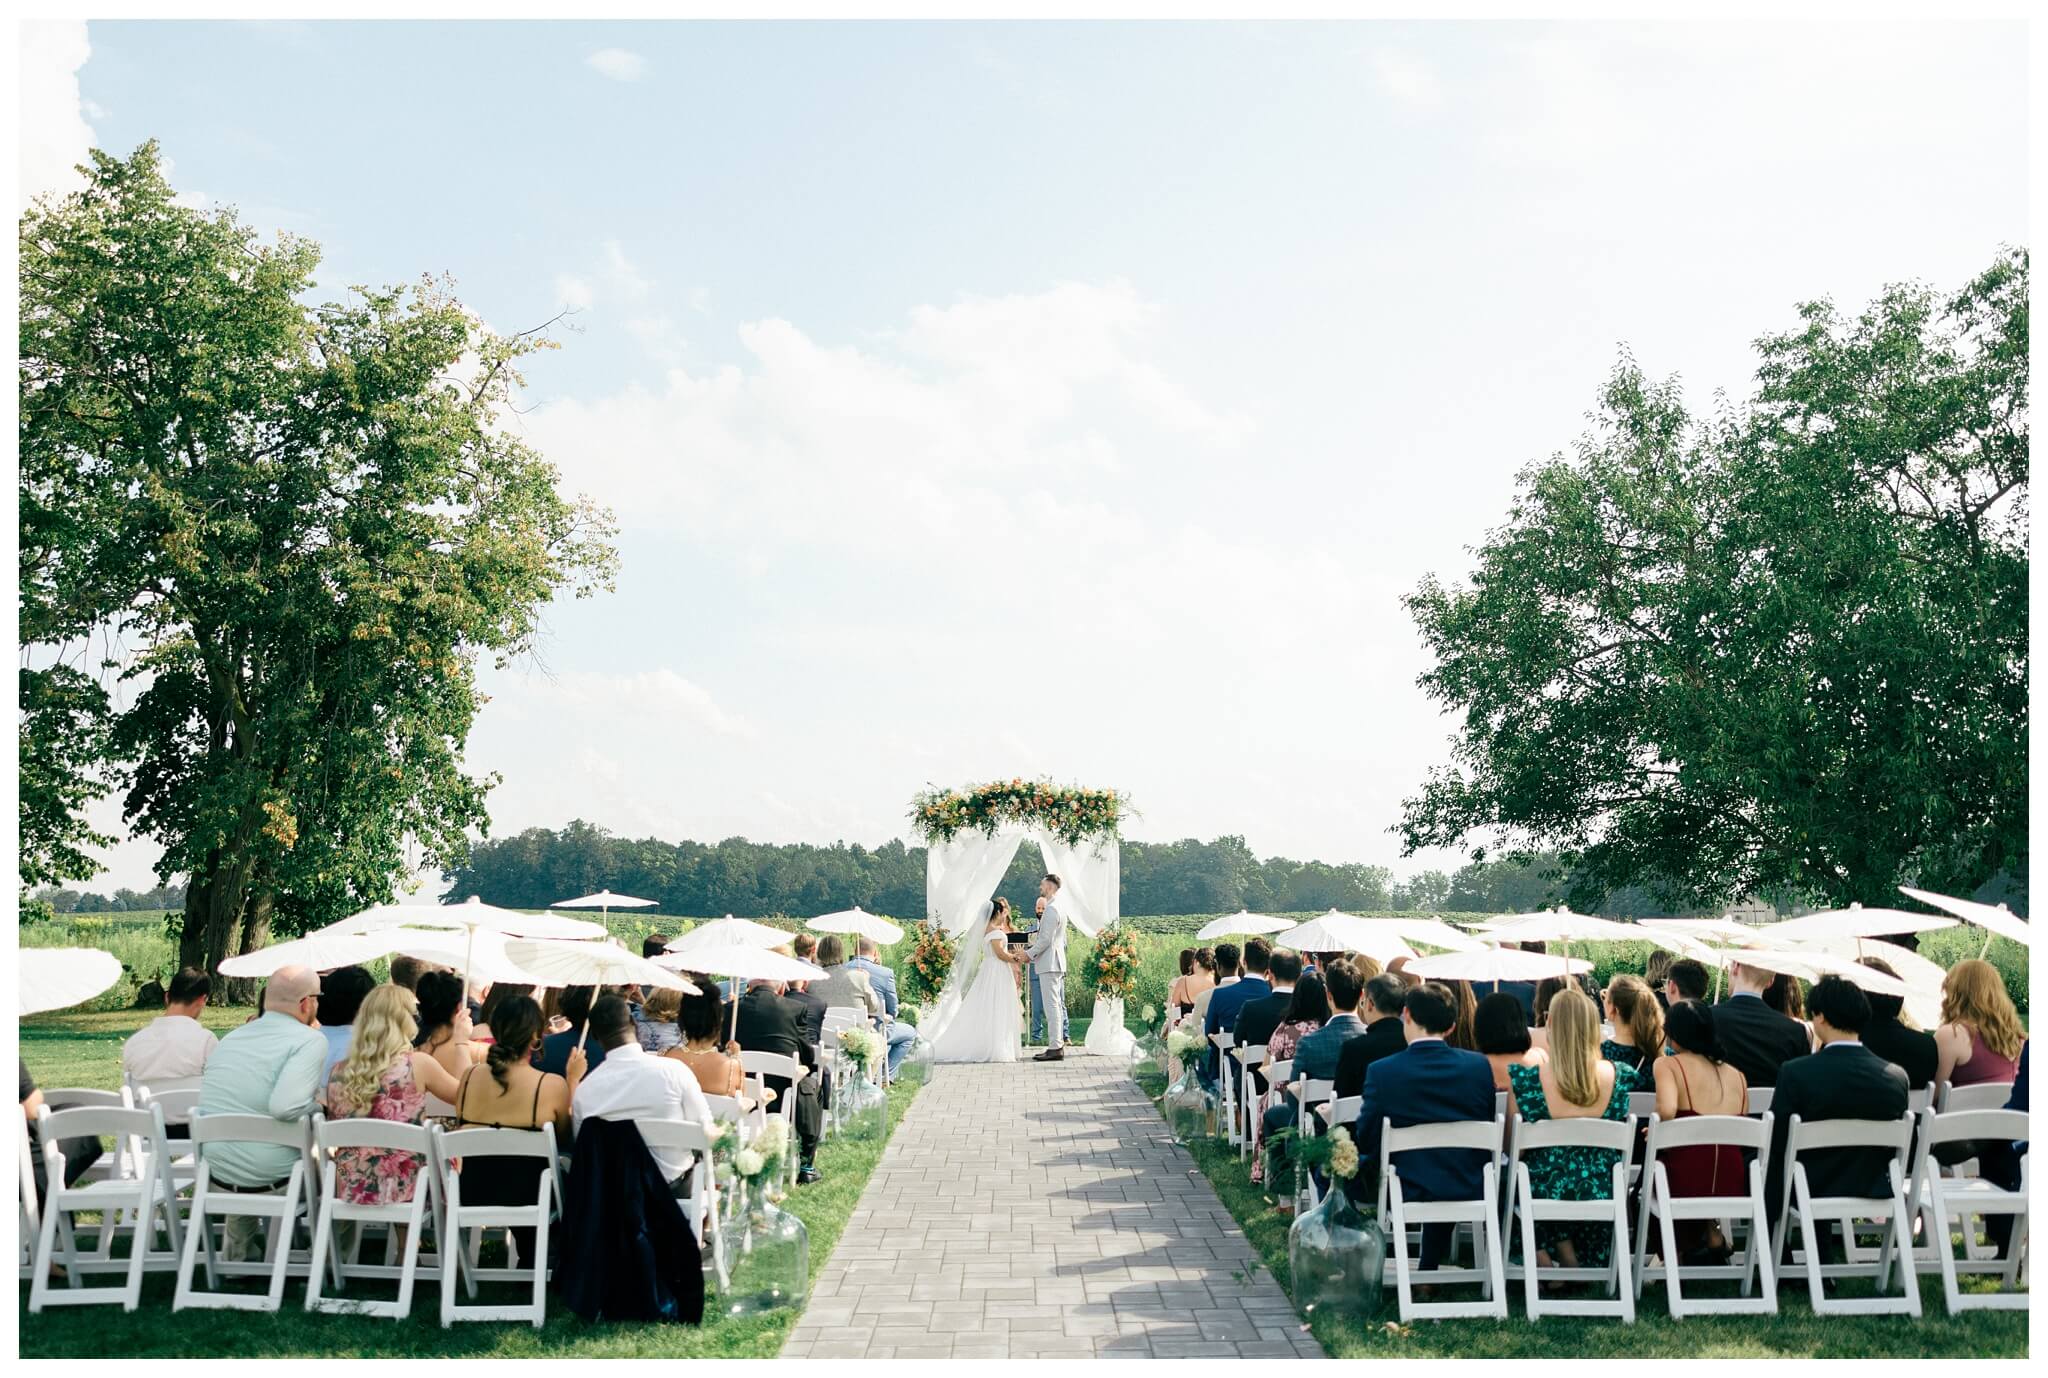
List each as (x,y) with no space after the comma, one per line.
(863,1048)
(929,963)
(1112,965)
(1069,812)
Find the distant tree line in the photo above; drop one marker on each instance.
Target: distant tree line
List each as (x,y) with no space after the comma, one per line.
(123,901)
(542,866)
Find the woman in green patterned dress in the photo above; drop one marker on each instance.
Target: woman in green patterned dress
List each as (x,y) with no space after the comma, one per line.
(1575,1083)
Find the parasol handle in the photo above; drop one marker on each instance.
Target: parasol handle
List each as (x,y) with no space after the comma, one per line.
(583,1039)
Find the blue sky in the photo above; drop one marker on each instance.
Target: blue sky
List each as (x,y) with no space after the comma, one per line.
(986,399)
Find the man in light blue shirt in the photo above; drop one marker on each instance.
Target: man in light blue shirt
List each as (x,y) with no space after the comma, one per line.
(273,1065)
(882,981)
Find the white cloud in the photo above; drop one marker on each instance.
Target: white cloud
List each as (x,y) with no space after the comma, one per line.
(1410,80)
(657,696)
(573,291)
(617,63)
(55,137)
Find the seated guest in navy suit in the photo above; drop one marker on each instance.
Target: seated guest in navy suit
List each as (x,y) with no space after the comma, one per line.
(1912,1051)
(1380,1008)
(1259,1018)
(1843,1081)
(1428,1082)
(1226,1002)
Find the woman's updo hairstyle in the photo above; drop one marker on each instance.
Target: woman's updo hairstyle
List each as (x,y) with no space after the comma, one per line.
(516,1026)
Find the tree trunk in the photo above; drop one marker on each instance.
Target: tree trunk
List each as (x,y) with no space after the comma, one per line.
(241,990)
(192,930)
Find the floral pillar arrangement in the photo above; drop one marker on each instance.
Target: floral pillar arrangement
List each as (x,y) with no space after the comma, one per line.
(1112,969)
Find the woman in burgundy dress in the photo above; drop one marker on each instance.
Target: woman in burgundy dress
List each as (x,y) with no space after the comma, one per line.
(1694,1080)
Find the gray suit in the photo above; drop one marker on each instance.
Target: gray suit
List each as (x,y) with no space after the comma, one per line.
(1048,950)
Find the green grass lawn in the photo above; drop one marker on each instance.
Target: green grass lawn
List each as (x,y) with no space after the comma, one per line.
(1795,1332)
(85,1050)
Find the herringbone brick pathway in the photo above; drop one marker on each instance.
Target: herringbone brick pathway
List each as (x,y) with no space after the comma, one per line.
(1039,1210)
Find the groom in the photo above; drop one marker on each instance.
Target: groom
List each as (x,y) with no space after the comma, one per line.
(1048,953)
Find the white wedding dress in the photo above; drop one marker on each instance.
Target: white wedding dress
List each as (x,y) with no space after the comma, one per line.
(979,1018)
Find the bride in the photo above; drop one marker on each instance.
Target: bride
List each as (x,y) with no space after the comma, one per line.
(983,1023)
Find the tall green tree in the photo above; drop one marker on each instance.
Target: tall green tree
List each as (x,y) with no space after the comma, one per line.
(1781,649)
(309,521)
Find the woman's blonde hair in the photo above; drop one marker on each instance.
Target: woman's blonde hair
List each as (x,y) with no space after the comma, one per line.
(662,1005)
(384,1030)
(1638,1011)
(1368,967)
(1575,1046)
(1973,995)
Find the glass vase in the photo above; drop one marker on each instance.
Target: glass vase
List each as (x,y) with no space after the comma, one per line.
(1190,1107)
(1337,1257)
(864,1109)
(771,1257)
(916,1067)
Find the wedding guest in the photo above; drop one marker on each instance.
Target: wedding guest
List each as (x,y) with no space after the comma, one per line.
(1980,1035)
(1315,1054)
(501,991)
(1503,1036)
(1638,1022)
(1256,983)
(1788,997)
(844,985)
(1227,976)
(1427,1082)
(1179,999)
(1463,1034)
(805,947)
(1843,1081)
(79,1153)
(654,945)
(1542,993)
(1366,967)
(1523,991)
(1573,1082)
(1258,1019)
(509,1092)
(1694,1080)
(882,982)
(1399,968)
(1912,1051)
(384,1077)
(654,1023)
(715,1064)
(445,1030)
(342,992)
(169,1052)
(770,1024)
(1380,1008)
(406,971)
(1308,1008)
(1656,972)
(269,1066)
(1687,980)
(574,1004)
(632,1085)
(1755,1039)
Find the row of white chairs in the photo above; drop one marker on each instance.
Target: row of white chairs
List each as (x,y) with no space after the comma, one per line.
(1936,1116)
(160,1186)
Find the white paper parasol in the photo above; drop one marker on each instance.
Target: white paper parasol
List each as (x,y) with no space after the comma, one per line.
(1495,964)
(604,900)
(1726,932)
(1562,925)
(742,962)
(1992,918)
(470,917)
(1243,922)
(1810,964)
(1922,977)
(324,950)
(56,978)
(1434,932)
(857,921)
(1340,932)
(1853,922)
(731,932)
(554,962)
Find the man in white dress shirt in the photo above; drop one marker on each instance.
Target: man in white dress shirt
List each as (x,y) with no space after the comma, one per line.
(169,1053)
(633,1084)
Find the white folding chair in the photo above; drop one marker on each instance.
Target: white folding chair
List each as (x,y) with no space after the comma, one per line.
(407,1218)
(1760,1100)
(31,1219)
(110,1165)
(1984,1095)
(1247,1058)
(1893,1135)
(1753,1263)
(700,1206)
(837,1019)
(179,1102)
(463,1225)
(1225,1043)
(1482,1213)
(282,1208)
(1583,1132)
(758,1066)
(1856,1251)
(1940,1198)
(138,1197)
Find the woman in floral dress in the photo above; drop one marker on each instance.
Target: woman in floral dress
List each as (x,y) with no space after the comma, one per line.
(1575,1082)
(383,1077)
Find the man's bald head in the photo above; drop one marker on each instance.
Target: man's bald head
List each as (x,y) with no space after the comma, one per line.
(288,990)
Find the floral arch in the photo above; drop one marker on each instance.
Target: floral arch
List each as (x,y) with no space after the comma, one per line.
(971,836)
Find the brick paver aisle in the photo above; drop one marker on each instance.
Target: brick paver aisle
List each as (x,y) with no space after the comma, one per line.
(1041,1210)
